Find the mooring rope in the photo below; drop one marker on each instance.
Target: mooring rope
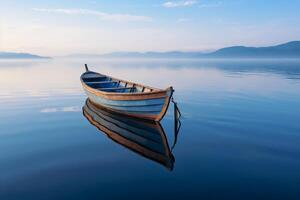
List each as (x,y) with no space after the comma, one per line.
(177,123)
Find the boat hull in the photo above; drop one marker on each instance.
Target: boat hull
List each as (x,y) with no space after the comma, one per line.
(151,107)
(126,97)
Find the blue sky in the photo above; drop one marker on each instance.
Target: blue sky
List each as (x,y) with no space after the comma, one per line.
(60,27)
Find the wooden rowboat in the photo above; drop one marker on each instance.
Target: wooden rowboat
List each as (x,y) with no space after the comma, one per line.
(147,138)
(126,97)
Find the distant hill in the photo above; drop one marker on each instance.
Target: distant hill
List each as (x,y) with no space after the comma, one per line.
(12,55)
(287,50)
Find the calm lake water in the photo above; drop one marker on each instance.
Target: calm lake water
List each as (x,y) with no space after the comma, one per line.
(239,139)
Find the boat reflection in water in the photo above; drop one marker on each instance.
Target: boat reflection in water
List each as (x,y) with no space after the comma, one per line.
(146,138)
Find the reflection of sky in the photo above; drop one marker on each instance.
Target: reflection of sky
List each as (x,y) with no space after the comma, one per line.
(54,87)
(244,118)
(58,77)
(63,109)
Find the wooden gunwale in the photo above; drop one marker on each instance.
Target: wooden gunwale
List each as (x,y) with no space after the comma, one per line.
(155,93)
(125,81)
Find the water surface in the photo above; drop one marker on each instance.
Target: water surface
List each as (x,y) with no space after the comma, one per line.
(240,134)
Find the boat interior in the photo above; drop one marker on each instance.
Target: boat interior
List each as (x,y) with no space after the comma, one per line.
(109,84)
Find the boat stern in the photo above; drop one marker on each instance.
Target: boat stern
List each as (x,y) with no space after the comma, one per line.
(169,94)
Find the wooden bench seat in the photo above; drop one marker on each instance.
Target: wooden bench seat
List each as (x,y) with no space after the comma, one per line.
(116,88)
(100,82)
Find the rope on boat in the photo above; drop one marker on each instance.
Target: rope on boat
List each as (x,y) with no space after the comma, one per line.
(177,123)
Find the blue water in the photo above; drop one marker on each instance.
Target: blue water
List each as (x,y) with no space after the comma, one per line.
(239,139)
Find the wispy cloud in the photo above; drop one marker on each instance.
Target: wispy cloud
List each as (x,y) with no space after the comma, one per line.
(174,4)
(63,109)
(100,15)
(211,5)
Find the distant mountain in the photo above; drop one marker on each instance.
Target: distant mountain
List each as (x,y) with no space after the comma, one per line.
(12,55)
(287,50)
